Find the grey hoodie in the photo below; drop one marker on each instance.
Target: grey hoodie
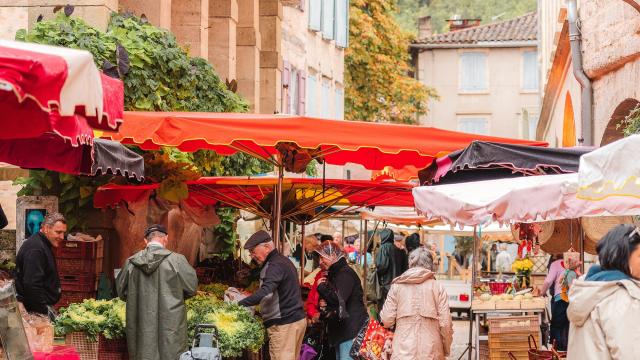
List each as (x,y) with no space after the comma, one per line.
(604,319)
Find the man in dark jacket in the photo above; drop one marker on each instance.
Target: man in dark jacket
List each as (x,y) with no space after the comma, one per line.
(279,297)
(341,289)
(37,281)
(391,262)
(155,283)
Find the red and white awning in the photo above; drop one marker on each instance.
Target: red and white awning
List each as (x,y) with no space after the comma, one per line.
(54,89)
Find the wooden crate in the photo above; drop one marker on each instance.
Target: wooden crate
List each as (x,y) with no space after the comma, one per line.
(508,304)
(529,324)
(483,305)
(535,303)
(501,344)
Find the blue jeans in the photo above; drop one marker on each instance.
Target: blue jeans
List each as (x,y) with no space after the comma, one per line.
(343,349)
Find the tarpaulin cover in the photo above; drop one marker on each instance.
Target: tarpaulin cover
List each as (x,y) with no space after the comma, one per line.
(612,170)
(43,87)
(50,151)
(524,199)
(373,145)
(397,215)
(304,200)
(489,160)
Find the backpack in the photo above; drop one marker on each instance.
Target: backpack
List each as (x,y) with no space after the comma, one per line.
(373,285)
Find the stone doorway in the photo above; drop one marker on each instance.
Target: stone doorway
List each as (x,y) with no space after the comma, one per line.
(612,132)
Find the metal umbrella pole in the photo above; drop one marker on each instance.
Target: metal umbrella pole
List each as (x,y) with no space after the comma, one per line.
(469,348)
(277,216)
(303,256)
(366,268)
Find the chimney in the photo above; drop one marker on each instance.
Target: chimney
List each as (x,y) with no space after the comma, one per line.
(424,27)
(457,23)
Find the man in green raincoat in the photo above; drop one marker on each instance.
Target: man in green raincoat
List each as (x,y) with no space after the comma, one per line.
(154,283)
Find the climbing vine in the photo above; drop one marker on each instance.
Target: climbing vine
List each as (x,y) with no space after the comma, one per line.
(631,124)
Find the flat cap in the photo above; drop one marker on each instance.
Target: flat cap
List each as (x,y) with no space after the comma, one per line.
(257,239)
(155,227)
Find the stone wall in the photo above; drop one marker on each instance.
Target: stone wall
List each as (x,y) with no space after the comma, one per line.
(7,245)
(610,35)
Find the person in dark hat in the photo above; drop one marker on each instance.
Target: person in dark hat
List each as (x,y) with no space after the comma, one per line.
(279,297)
(155,283)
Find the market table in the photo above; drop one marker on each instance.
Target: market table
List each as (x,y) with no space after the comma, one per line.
(476,313)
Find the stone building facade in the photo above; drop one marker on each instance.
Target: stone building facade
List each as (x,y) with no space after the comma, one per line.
(486,75)
(610,32)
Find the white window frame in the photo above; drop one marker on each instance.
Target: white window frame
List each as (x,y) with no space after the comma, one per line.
(522,72)
(487,88)
(462,118)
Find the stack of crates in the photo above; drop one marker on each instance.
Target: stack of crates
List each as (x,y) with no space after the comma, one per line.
(510,334)
(79,266)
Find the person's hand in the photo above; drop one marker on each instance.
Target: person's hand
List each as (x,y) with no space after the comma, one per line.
(322,303)
(322,281)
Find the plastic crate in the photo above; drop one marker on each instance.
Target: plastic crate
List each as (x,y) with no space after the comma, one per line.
(78,282)
(528,324)
(111,355)
(79,266)
(116,345)
(72,297)
(88,350)
(80,250)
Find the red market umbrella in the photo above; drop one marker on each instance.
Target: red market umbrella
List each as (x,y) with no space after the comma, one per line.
(54,89)
(304,201)
(290,142)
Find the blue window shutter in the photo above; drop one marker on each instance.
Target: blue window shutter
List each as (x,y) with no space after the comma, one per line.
(325,99)
(315,15)
(530,70)
(328,19)
(311,96)
(473,67)
(473,125)
(339,103)
(302,93)
(342,23)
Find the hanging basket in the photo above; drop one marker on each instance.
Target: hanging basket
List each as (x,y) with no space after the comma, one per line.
(545,233)
(561,239)
(597,227)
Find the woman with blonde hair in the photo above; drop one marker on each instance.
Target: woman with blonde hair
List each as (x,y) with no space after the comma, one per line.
(418,306)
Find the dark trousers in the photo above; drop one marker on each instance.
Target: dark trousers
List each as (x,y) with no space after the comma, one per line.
(559,324)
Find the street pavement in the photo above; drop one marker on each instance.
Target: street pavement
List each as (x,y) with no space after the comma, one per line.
(460,339)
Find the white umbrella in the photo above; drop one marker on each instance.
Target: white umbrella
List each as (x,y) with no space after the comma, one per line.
(525,199)
(612,170)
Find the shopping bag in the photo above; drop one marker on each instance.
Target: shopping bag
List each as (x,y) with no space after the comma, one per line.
(357,342)
(377,341)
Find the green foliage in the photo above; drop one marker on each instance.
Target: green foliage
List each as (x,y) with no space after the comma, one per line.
(377,81)
(161,76)
(631,124)
(442,10)
(75,193)
(94,317)
(237,328)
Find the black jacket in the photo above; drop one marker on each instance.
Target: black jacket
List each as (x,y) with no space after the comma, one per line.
(391,261)
(37,281)
(343,280)
(3,219)
(279,293)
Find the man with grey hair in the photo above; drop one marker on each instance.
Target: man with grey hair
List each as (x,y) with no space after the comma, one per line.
(279,297)
(37,281)
(155,283)
(503,260)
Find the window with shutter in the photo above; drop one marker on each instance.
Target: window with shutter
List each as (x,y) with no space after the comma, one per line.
(326,108)
(311,96)
(530,74)
(286,87)
(342,23)
(328,19)
(473,72)
(315,15)
(473,125)
(339,103)
(294,89)
(302,86)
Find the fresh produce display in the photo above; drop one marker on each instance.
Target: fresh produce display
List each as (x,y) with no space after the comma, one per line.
(215,289)
(237,328)
(93,317)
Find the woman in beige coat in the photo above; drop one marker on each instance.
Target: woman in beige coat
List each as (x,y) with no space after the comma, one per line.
(604,308)
(419,308)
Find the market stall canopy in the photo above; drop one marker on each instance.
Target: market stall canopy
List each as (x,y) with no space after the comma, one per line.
(490,160)
(487,232)
(53,89)
(304,200)
(612,170)
(49,151)
(397,215)
(524,199)
(295,140)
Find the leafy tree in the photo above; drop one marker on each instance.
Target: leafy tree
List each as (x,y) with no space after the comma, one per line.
(377,80)
(442,10)
(630,125)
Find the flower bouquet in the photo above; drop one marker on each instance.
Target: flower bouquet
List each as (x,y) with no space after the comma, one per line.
(522,268)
